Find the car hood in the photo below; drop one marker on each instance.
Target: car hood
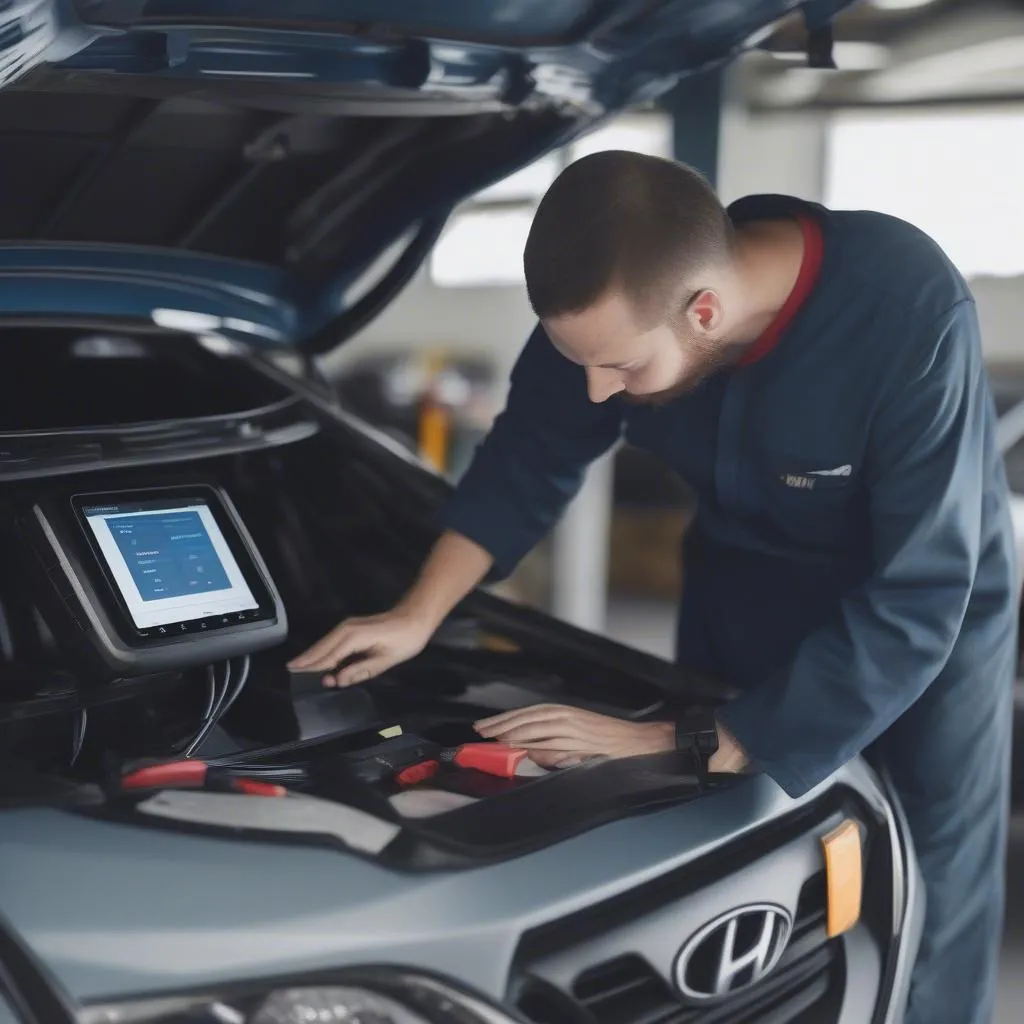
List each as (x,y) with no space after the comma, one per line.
(266,154)
(118,920)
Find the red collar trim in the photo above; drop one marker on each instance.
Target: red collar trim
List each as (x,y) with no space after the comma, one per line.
(809,270)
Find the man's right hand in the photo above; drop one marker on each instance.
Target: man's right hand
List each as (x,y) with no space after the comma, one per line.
(379,642)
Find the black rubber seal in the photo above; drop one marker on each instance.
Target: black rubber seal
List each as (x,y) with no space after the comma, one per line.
(532,815)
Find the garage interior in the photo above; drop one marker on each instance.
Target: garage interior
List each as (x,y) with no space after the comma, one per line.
(250,341)
(922,118)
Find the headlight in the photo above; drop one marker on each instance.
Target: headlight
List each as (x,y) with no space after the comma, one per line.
(376,996)
(330,1005)
(341,1005)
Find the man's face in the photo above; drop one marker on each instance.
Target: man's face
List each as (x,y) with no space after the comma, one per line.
(620,357)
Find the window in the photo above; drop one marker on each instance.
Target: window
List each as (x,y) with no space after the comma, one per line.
(955,174)
(482,246)
(483,243)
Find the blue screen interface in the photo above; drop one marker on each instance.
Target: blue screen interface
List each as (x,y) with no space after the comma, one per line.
(168,554)
(170,562)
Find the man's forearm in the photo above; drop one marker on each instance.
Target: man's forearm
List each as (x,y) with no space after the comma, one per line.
(454,567)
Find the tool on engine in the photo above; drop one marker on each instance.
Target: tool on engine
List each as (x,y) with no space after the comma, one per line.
(194,774)
(493,758)
(399,761)
(407,760)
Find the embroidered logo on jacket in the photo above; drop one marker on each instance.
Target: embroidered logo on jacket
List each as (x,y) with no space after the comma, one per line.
(803,483)
(806,481)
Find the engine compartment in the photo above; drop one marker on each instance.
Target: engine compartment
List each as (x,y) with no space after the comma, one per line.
(339,526)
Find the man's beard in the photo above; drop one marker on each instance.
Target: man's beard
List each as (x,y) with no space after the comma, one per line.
(712,357)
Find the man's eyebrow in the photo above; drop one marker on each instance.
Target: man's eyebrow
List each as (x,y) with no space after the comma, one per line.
(596,366)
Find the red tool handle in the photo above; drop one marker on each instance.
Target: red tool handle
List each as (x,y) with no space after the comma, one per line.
(253,787)
(417,773)
(494,758)
(174,773)
(196,774)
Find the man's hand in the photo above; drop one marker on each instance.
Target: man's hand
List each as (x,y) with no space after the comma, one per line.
(556,736)
(380,642)
(730,756)
(455,566)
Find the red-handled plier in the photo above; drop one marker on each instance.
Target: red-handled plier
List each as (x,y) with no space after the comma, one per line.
(493,758)
(190,774)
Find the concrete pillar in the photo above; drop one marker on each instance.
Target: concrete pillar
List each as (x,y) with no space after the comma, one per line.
(696,108)
(579,552)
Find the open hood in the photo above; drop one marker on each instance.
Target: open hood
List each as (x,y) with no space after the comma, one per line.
(262,155)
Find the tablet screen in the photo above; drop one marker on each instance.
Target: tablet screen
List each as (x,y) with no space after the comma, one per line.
(169,560)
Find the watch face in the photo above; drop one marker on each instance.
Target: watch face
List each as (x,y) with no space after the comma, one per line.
(698,733)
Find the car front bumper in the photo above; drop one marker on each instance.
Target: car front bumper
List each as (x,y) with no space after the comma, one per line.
(130,913)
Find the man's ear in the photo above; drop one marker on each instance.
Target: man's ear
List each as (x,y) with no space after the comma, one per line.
(704,311)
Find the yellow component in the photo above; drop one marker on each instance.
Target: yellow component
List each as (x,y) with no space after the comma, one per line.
(434,427)
(391,732)
(434,430)
(493,642)
(844,876)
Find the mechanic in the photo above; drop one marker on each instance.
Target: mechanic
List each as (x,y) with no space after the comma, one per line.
(817,377)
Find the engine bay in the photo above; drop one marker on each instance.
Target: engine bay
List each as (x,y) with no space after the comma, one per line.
(149,609)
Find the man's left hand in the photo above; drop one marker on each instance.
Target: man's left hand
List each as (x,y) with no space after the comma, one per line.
(556,735)
(730,756)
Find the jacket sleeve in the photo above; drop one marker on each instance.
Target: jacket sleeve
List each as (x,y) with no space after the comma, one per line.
(852,678)
(533,460)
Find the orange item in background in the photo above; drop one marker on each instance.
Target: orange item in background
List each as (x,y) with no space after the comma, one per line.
(434,434)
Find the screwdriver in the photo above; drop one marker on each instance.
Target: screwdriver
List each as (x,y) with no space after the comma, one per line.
(197,775)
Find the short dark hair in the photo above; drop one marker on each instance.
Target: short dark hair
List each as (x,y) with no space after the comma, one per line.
(618,219)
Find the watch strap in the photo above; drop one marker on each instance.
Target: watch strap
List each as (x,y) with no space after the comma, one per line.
(697,733)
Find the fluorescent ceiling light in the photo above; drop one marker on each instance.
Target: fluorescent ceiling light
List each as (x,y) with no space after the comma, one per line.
(849,55)
(900,5)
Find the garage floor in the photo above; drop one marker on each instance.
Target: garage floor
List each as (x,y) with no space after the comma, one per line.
(649,626)
(1011,979)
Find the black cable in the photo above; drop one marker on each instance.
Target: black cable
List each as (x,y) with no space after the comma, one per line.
(6,635)
(235,678)
(366,308)
(243,678)
(81,724)
(215,712)
(213,706)
(211,694)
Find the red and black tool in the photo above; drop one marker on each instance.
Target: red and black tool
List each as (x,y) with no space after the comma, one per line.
(408,760)
(190,774)
(401,761)
(493,758)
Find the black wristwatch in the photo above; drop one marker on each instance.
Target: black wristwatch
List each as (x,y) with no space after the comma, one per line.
(697,733)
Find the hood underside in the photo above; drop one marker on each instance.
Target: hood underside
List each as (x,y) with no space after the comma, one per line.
(91,159)
(310,137)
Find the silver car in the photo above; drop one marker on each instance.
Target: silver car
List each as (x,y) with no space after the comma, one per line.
(191,197)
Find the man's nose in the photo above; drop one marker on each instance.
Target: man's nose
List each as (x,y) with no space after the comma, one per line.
(602,384)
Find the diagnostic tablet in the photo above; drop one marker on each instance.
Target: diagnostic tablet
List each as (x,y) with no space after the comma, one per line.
(158,578)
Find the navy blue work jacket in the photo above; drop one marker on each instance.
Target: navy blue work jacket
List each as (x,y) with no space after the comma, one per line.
(852,541)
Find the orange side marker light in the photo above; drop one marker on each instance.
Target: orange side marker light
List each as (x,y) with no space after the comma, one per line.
(844,876)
